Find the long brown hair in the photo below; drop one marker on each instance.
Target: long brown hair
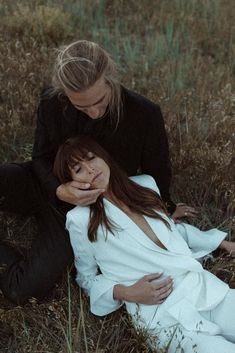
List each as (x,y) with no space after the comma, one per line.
(139,199)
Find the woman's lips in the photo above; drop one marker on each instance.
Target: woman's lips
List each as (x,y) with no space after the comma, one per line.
(96,177)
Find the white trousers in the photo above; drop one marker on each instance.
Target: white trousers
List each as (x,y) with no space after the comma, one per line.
(197,342)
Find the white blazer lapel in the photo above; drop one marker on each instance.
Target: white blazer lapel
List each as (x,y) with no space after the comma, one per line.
(128,225)
(159,228)
(170,238)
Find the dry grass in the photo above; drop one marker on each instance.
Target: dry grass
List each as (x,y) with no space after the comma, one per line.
(178,53)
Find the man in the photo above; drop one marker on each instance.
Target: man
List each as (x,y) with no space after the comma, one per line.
(85,99)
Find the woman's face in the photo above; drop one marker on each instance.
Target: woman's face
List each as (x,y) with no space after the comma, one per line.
(93,170)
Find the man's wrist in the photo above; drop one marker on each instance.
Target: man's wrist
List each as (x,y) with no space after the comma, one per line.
(171,207)
(58,192)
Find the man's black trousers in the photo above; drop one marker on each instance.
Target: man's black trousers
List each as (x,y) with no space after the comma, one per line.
(35,273)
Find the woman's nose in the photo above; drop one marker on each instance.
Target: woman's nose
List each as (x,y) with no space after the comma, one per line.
(90,169)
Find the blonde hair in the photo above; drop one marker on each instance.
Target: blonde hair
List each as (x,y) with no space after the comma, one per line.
(79,65)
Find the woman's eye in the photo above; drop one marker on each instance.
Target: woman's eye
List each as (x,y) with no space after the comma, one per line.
(77,170)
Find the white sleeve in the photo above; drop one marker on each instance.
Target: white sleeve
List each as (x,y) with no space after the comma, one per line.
(200,242)
(97,286)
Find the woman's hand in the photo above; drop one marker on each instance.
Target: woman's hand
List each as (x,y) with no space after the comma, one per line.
(228,246)
(77,193)
(145,291)
(182,211)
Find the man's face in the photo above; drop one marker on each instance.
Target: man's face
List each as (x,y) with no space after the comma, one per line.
(93,101)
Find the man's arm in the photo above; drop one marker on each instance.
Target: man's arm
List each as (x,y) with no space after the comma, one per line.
(155,159)
(44,151)
(51,131)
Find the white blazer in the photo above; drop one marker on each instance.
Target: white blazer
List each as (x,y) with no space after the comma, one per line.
(128,255)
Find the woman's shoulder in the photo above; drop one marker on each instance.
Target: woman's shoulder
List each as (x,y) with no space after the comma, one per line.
(77,221)
(146,181)
(78,214)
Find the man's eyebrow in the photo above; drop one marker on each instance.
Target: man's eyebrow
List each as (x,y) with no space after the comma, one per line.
(88,106)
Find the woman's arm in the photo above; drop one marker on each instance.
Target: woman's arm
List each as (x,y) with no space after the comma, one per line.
(97,286)
(150,289)
(200,242)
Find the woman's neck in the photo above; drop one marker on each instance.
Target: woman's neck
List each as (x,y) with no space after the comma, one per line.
(109,195)
(116,201)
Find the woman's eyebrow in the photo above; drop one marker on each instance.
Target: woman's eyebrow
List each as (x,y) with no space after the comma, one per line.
(77,162)
(74,164)
(91,105)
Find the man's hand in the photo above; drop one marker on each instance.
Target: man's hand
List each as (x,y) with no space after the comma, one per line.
(145,291)
(183,210)
(77,193)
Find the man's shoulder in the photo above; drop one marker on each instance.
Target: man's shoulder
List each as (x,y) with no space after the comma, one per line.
(55,107)
(51,98)
(137,101)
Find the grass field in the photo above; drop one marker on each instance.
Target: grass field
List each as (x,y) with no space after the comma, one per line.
(178,53)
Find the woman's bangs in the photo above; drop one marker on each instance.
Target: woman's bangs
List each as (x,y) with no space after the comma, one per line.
(76,155)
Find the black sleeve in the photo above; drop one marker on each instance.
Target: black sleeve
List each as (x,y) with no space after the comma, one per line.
(155,157)
(44,149)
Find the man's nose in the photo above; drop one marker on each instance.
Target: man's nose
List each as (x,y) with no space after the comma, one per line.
(94,113)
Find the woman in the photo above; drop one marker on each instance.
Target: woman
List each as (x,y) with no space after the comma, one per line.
(127,235)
